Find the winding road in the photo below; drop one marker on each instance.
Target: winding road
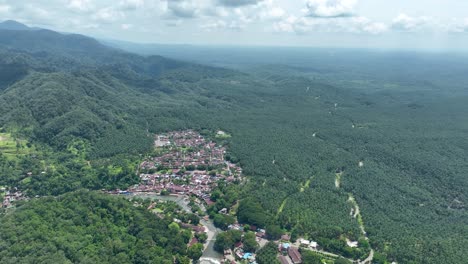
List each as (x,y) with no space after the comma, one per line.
(210,256)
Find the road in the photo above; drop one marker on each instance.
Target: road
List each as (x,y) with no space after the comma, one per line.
(210,256)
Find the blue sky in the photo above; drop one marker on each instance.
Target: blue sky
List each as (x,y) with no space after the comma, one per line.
(409,24)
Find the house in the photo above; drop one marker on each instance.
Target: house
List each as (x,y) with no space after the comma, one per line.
(193,242)
(284,260)
(198,229)
(239,245)
(285,237)
(294,254)
(313,245)
(239,254)
(352,244)
(304,242)
(260,234)
(283,247)
(208,201)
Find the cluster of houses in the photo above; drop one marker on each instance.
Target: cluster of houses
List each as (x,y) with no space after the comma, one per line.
(188,148)
(239,255)
(289,253)
(189,164)
(11,196)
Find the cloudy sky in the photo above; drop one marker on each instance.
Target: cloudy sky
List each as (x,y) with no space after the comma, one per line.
(427,24)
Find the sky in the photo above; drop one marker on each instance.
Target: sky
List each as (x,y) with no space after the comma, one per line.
(407,24)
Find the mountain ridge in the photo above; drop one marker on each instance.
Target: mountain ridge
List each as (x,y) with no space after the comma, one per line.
(13,25)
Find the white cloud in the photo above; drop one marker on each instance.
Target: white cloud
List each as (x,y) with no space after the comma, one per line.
(76,23)
(269,10)
(403,22)
(107,15)
(365,25)
(222,25)
(215,11)
(174,23)
(238,3)
(131,4)
(5,8)
(214,25)
(329,8)
(34,14)
(239,18)
(80,5)
(176,9)
(303,25)
(293,24)
(457,26)
(275,12)
(126,26)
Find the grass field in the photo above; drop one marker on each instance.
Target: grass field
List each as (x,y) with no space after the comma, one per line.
(11,147)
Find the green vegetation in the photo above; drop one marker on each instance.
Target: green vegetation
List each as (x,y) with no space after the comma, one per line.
(228,239)
(267,254)
(87,227)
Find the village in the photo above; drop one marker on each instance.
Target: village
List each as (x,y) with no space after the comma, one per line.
(187,165)
(11,196)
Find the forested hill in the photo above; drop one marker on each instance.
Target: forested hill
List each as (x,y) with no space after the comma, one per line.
(87,227)
(79,51)
(61,85)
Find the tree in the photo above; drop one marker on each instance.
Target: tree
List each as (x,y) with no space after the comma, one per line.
(194,219)
(274,232)
(267,254)
(182,259)
(223,221)
(215,195)
(227,240)
(342,261)
(223,241)
(250,242)
(195,251)
(309,257)
(174,227)
(202,237)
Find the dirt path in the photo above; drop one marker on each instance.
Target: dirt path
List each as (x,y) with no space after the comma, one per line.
(357,215)
(369,259)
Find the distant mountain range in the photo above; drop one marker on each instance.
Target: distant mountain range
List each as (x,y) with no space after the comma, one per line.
(14,25)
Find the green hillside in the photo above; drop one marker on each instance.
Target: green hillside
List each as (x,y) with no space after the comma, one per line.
(87,227)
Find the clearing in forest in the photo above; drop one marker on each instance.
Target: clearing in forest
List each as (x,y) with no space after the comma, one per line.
(305,185)
(338,179)
(11,147)
(280,209)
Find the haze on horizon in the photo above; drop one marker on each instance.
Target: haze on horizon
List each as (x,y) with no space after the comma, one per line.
(398,24)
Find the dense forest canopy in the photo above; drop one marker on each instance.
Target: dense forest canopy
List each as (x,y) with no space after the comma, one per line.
(399,150)
(87,227)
